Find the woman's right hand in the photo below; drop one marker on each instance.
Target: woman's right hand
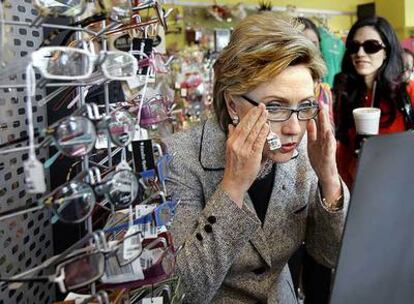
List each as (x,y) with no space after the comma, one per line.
(244,151)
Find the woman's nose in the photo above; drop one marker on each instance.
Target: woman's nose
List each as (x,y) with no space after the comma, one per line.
(361,51)
(292,125)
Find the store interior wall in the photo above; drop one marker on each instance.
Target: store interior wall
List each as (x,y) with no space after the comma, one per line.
(399,12)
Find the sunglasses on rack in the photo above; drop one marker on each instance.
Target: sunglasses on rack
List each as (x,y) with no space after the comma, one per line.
(369,46)
(306,110)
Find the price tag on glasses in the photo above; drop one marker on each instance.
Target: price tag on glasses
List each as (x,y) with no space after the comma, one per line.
(34,176)
(132,243)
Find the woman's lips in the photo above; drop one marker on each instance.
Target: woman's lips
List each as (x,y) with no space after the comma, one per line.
(289,147)
(361,63)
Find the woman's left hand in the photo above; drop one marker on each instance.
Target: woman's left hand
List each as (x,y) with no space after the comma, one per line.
(322,154)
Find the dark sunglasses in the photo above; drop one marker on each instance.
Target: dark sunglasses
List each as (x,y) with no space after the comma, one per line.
(369,46)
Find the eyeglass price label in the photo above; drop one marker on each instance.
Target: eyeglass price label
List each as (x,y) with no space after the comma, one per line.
(34,176)
(157,300)
(149,231)
(132,244)
(115,274)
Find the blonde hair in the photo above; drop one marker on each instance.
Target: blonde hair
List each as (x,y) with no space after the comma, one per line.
(261,47)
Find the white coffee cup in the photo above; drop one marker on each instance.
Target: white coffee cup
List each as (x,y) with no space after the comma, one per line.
(367,120)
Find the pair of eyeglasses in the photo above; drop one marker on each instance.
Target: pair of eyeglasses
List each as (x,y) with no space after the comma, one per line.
(306,110)
(68,63)
(77,268)
(75,136)
(154,110)
(371,46)
(137,21)
(74,201)
(72,274)
(117,10)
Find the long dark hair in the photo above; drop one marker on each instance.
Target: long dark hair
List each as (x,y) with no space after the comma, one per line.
(350,87)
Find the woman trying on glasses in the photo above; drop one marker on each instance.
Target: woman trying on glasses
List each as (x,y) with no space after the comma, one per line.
(248,202)
(372,66)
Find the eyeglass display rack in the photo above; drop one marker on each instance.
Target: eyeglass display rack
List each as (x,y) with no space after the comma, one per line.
(27,240)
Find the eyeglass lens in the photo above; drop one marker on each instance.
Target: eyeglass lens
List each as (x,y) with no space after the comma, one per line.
(74,202)
(68,8)
(75,136)
(62,63)
(123,188)
(121,128)
(84,270)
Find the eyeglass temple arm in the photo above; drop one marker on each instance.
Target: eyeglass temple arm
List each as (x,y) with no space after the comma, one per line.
(251,101)
(14,213)
(46,278)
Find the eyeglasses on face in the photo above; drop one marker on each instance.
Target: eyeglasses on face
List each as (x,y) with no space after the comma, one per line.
(369,46)
(306,111)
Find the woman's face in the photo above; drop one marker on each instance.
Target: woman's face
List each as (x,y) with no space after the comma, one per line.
(367,65)
(291,88)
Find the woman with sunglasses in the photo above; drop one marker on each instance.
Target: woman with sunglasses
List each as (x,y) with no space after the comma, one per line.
(259,178)
(372,68)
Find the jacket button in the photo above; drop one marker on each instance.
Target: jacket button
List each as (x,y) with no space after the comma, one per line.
(212,219)
(199,236)
(259,270)
(208,228)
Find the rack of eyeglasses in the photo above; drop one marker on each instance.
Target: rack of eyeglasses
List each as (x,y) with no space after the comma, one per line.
(115,186)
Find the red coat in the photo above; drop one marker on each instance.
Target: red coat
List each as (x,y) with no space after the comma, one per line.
(345,157)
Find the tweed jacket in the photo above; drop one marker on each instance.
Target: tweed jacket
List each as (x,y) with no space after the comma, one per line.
(228,255)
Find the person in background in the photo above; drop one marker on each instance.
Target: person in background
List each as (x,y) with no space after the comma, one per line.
(322,90)
(408,59)
(372,75)
(247,202)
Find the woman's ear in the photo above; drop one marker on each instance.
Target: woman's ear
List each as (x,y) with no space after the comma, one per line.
(230,104)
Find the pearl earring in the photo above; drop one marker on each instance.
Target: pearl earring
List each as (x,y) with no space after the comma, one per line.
(236,120)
